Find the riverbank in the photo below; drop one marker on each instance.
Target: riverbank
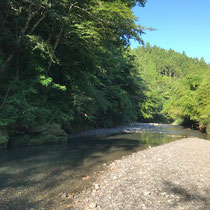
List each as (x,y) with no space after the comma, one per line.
(170,176)
(127,128)
(53,133)
(55,174)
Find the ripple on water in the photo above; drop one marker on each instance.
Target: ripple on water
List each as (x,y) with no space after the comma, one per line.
(35,177)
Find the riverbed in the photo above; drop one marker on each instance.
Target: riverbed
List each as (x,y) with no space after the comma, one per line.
(37,177)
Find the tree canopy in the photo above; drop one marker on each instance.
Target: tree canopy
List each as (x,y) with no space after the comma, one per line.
(67,62)
(178,86)
(66,66)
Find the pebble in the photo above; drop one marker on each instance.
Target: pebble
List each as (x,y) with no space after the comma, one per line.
(143,206)
(97,186)
(64,195)
(144,181)
(147,193)
(92,205)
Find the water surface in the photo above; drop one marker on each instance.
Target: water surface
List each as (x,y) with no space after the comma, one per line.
(34,177)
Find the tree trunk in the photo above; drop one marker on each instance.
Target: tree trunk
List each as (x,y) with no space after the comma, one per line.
(30,16)
(7,62)
(38,22)
(55,46)
(24,29)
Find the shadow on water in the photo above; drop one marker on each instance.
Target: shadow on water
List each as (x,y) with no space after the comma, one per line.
(33,177)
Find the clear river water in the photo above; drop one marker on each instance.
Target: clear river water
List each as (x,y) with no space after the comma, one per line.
(35,177)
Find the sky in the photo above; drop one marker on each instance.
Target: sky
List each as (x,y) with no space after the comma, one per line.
(182,25)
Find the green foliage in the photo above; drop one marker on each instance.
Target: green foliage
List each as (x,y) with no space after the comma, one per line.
(38,46)
(202,98)
(67,63)
(178,86)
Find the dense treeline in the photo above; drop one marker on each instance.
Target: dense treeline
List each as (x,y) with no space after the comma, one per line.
(65,65)
(178,86)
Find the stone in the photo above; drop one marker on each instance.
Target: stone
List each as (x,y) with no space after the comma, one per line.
(147,193)
(64,195)
(92,205)
(97,186)
(143,206)
(99,208)
(85,178)
(93,193)
(202,128)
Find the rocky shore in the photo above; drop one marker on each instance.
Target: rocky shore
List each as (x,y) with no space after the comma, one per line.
(127,128)
(171,176)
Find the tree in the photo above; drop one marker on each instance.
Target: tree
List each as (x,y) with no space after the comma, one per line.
(67,62)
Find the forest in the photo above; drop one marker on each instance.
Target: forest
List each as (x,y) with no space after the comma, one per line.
(67,66)
(178,88)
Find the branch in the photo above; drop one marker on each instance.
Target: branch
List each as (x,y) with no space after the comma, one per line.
(55,46)
(38,22)
(7,62)
(30,16)
(86,10)
(58,38)
(6,96)
(72,5)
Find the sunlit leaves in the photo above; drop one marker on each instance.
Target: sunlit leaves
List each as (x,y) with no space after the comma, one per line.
(43,49)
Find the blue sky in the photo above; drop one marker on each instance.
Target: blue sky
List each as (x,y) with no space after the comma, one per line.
(182,25)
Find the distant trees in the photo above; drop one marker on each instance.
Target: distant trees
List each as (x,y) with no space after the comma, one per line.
(178,86)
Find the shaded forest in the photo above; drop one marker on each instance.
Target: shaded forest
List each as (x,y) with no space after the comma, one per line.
(66,66)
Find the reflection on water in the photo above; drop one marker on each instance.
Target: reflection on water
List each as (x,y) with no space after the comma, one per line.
(33,177)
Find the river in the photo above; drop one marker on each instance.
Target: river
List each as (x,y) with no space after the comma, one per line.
(35,177)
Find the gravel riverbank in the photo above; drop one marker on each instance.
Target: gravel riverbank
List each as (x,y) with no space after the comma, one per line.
(171,176)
